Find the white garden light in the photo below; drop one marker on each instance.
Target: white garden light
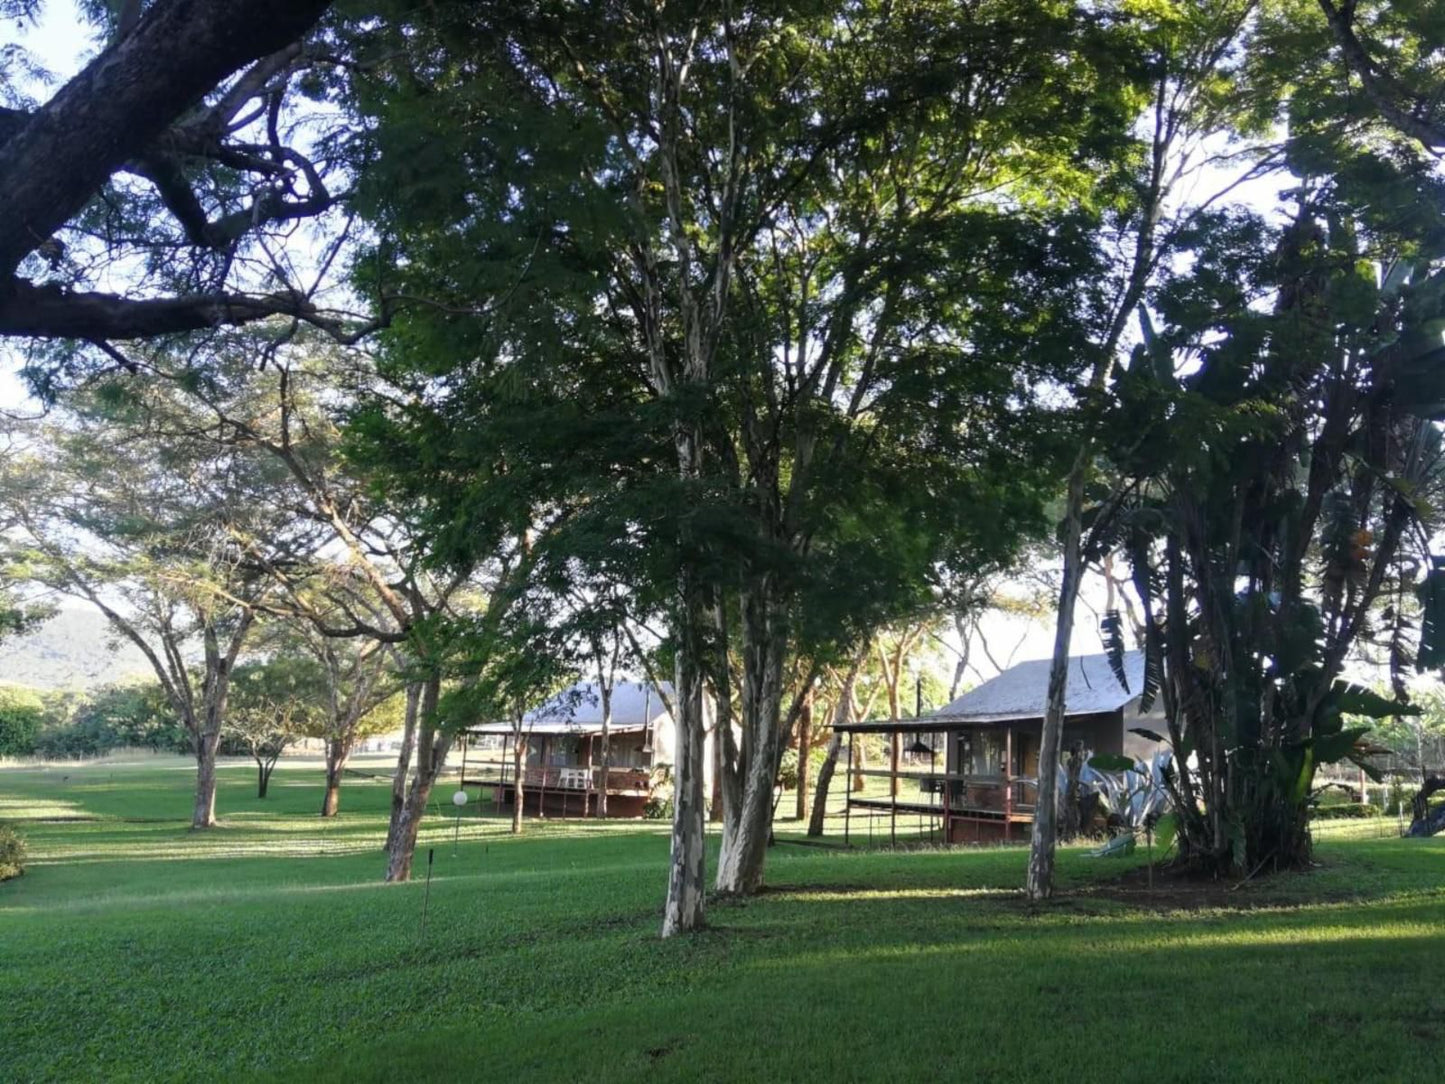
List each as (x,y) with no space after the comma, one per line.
(460,799)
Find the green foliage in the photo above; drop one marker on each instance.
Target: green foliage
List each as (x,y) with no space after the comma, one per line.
(128,715)
(1263,536)
(22,713)
(12,853)
(1111,762)
(1345,811)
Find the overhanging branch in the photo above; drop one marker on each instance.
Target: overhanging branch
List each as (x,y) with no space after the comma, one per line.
(54,313)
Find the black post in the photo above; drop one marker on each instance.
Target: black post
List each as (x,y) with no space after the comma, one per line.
(426,899)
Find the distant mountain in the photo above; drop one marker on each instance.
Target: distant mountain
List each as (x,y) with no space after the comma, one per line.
(75,649)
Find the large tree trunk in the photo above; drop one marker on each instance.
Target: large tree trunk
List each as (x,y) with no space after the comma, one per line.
(338,752)
(432,749)
(263,778)
(208,740)
(403,761)
(203,815)
(683,910)
(1040,881)
(746,830)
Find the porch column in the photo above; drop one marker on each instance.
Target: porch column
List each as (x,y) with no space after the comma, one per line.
(1008,786)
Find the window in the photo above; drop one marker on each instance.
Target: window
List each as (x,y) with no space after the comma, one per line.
(981,752)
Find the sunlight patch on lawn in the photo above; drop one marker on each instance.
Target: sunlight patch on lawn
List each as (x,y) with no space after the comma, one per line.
(802,894)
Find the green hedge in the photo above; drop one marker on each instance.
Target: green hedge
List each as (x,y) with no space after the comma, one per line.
(12,853)
(21,714)
(1349,811)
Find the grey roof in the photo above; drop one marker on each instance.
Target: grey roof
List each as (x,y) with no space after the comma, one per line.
(578,710)
(1022,691)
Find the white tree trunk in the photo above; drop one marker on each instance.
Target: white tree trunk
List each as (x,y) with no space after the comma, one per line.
(683,910)
(747,828)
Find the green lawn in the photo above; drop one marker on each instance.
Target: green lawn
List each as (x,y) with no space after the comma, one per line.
(135,950)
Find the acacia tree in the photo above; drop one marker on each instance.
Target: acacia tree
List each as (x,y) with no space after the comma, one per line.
(367,585)
(159,537)
(844,710)
(358,682)
(272,703)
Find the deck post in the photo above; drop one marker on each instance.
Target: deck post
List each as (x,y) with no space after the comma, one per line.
(1008,789)
(893,803)
(947,786)
(502,784)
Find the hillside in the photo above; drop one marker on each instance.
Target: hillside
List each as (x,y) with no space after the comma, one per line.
(73,650)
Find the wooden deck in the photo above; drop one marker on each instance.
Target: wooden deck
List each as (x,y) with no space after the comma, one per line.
(567,791)
(965,808)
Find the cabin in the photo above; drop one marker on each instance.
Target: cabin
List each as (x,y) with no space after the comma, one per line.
(970,769)
(562,739)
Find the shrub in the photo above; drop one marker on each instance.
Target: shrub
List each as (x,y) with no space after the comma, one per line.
(129,714)
(21,714)
(12,853)
(1398,801)
(1345,812)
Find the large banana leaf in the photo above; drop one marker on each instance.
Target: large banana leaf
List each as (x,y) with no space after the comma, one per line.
(1431,653)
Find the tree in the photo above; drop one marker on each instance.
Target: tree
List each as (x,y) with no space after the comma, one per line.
(783,303)
(159,536)
(134,714)
(22,713)
(272,704)
(368,578)
(359,680)
(842,713)
(1284,507)
(1387,50)
(1192,59)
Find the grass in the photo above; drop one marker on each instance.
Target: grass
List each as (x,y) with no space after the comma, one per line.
(134,950)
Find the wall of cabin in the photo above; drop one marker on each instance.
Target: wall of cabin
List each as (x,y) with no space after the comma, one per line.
(1100,733)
